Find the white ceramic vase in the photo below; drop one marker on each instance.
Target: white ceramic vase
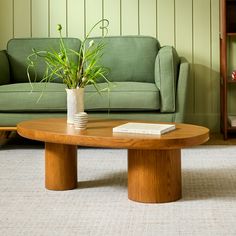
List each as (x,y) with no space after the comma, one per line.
(75,103)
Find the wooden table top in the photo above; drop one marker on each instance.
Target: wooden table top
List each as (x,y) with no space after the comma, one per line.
(99,134)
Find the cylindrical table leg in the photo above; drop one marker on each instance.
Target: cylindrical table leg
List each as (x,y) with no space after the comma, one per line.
(154,176)
(60,166)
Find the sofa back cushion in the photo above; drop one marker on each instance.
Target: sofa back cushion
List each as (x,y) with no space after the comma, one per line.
(129,58)
(19,49)
(166,75)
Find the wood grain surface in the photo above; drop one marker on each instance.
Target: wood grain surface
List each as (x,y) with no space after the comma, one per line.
(60,166)
(154,176)
(99,134)
(154,161)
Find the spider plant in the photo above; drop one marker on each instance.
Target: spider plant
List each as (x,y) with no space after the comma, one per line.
(61,64)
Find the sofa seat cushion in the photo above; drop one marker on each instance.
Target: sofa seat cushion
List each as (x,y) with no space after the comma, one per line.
(20,97)
(123,96)
(166,73)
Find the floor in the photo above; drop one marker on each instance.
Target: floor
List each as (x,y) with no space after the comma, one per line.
(100,206)
(217,139)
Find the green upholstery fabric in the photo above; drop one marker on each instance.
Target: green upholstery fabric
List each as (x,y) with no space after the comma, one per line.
(123,96)
(20,97)
(166,75)
(182,90)
(19,49)
(11,119)
(4,69)
(130,58)
(148,82)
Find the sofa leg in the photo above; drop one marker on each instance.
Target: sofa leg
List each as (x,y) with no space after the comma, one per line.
(4,134)
(4,137)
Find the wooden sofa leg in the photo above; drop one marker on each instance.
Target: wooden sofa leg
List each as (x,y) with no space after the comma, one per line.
(5,132)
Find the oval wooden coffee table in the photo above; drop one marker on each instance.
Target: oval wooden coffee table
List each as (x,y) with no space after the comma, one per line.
(154,162)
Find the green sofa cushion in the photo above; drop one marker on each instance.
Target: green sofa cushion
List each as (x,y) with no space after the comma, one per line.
(124,96)
(166,73)
(129,58)
(4,69)
(20,97)
(19,49)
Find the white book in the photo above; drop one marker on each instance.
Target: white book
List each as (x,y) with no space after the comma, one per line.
(144,128)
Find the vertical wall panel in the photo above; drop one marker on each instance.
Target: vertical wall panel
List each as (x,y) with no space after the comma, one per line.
(215,55)
(93,15)
(57,15)
(184,41)
(76,18)
(6,22)
(112,13)
(166,22)
(40,18)
(22,18)
(191,26)
(202,55)
(147,17)
(184,28)
(130,19)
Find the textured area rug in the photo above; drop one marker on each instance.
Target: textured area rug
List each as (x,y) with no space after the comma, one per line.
(99,206)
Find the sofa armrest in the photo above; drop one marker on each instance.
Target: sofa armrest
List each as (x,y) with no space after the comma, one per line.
(166,75)
(182,87)
(4,68)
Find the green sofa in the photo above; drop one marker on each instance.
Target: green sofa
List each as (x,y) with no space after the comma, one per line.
(149,82)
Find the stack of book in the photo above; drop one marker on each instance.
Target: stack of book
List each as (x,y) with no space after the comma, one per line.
(232,121)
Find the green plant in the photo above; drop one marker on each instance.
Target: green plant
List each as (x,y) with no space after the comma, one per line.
(60,65)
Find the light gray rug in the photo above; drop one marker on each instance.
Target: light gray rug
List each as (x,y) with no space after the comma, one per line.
(99,206)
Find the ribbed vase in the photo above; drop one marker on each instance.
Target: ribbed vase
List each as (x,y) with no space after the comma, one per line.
(75,103)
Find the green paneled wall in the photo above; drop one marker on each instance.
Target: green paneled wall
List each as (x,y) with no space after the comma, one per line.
(192,26)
